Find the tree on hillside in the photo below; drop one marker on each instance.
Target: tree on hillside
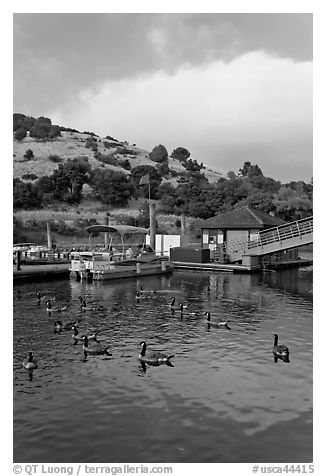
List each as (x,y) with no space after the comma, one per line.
(163,169)
(168,197)
(159,154)
(20,134)
(111,187)
(192,166)
(25,195)
(154,177)
(291,205)
(22,121)
(69,178)
(181,154)
(54,132)
(41,128)
(249,170)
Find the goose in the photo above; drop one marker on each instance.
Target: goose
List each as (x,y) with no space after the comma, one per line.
(95,348)
(69,325)
(154,358)
(30,363)
(40,298)
(77,338)
(280,350)
(139,296)
(172,303)
(183,307)
(216,323)
(142,291)
(58,308)
(58,327)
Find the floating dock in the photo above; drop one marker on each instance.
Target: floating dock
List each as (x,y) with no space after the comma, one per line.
(61,270)
(240,268)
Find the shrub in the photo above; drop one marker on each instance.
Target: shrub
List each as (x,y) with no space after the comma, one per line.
(111,138)
(29,154)
(125,164)
(55,158)
(126,151)
(29,177)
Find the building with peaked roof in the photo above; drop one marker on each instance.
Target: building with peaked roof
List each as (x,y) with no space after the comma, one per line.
(240,224)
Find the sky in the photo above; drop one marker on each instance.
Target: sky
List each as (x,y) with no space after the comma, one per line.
(229,88)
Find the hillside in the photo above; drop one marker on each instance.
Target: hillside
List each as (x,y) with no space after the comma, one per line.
(72,144)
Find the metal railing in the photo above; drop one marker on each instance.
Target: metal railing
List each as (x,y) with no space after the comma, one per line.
(277,234)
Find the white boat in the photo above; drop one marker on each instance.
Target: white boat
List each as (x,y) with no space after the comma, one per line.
(140,261)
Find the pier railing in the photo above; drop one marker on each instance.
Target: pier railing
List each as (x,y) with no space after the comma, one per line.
(289,235)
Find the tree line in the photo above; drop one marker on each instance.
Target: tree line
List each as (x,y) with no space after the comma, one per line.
(191,194)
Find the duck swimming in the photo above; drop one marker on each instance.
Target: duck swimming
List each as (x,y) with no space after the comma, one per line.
(153,358)
(94,348)
(216,323)
(280,350)
(172,303)
(58,327)
(148,292)
(77,338)
(30,364)
(58,308)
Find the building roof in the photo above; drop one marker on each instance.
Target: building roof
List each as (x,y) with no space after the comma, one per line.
(242,218)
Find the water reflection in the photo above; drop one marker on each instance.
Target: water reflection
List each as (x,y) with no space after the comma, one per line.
(285,358)
(224,385)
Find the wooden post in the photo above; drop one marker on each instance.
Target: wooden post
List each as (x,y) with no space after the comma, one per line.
(183,224)
(152,224)
(106,234)
(48,230)
(18,262)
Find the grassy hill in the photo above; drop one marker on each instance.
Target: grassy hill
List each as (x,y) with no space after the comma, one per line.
(71,145)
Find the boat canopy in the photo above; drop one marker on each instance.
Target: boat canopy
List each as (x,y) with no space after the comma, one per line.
(121,229)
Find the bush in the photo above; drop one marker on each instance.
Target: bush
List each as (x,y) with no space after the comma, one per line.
(126,151)
(29,154)
(125,164)
(107,145)
(55,158)
(111,138)
(106,158)
(29,177)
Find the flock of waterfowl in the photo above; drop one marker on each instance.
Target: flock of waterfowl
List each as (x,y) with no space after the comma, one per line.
(92,346)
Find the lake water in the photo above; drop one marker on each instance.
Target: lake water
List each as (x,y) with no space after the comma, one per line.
(225,399)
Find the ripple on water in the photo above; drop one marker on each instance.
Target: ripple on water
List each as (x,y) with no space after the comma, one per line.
(223,395)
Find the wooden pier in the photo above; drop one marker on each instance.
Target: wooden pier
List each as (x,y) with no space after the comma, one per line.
(44,271)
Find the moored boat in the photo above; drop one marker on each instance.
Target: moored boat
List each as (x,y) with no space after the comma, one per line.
(114,264)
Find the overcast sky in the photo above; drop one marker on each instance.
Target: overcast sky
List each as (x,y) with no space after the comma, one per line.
(228,87)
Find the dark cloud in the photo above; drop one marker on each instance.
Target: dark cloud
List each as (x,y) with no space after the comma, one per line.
(57,54)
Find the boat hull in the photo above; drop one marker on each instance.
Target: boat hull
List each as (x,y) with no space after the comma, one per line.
(134,271)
